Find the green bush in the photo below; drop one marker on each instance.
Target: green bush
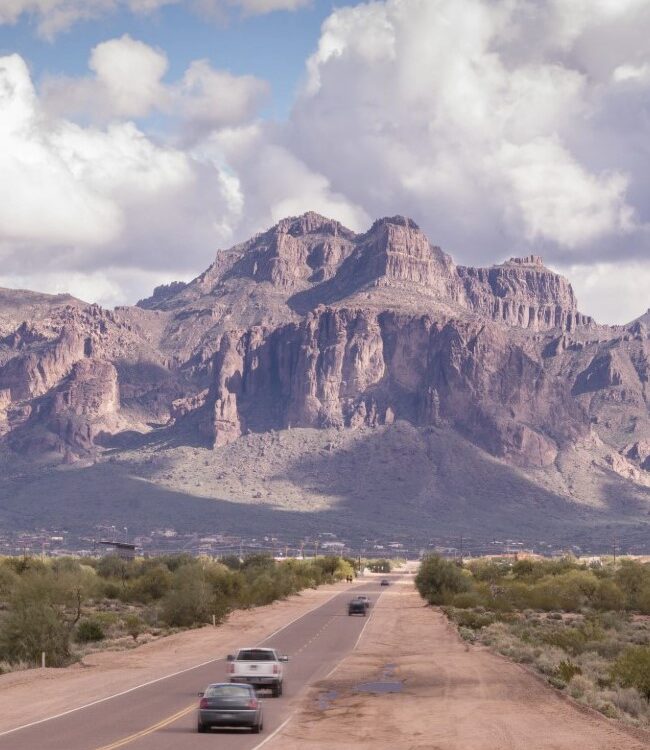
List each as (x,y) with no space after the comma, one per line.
(89,631)
(632,669)
(438,580)
(567,670)
(466,618)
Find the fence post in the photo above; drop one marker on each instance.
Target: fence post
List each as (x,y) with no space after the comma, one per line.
(42,659)
(214,621)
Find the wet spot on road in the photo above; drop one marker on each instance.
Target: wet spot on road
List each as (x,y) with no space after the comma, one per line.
(325,699)
(379,687)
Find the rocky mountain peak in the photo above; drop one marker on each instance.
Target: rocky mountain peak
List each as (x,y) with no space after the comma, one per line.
(528,260)
(310,223)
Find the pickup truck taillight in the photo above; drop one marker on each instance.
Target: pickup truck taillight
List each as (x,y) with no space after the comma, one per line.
(252,703)
(203,703)
(276,669)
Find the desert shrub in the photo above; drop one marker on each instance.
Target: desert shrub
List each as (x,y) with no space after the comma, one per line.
(466,600)
(232,562)
(632,669)
(152,585)
(467,618)
(89,631)
(467,634)
(8,579)
(133,625)
(628,700)
(548,660)
(608,596)
(579,685)
(438,580)
(175,561)
(570,640)
(567,670)
(191,599)
(633,579)
(262,561)
(43,609)
(489,571)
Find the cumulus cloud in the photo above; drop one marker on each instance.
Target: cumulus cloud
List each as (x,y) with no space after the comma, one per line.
(127,82)
(81,200)
(611,292)
(489,122)
(273,183)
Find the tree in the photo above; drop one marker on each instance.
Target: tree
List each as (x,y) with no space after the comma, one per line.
(191,600)
(43,610)
(438,580)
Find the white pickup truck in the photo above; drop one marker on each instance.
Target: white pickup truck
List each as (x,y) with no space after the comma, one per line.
(261,667)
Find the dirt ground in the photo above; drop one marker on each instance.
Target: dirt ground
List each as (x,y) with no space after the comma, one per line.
(108,672)
(453,696)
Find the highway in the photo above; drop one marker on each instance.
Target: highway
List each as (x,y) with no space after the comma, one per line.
(162,714)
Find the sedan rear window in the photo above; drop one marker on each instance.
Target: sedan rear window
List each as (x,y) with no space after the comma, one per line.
(229,691)
(255,655)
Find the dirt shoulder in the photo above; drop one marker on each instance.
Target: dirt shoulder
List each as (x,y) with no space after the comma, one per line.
(34,694)
(453,696)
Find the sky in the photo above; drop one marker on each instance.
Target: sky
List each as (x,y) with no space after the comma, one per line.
(138,137)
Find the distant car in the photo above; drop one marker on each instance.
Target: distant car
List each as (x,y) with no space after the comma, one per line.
(357,607)
(226,704)
(261,667)
(384,582)
(364,599)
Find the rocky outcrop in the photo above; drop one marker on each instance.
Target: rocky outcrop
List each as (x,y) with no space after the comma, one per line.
(523,293)
(161,294)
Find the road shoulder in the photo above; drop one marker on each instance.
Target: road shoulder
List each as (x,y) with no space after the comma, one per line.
(450,696)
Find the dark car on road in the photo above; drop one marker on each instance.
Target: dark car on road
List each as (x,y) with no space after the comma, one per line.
(357,607)
(384,582)
(227,704)
(364,599)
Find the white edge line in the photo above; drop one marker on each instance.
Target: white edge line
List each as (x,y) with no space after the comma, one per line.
(276,731)
(354,648)
(160,679)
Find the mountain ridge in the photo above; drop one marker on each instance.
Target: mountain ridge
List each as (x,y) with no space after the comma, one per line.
(310,325)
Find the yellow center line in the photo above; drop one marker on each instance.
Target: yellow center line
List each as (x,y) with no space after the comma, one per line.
(149,730)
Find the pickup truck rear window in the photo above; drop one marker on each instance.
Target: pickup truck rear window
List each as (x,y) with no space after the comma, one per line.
(255,655)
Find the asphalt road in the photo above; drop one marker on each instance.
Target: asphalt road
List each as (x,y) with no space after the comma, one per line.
(162,715)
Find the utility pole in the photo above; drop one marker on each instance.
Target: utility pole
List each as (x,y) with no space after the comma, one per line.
(614,546)
(461,549)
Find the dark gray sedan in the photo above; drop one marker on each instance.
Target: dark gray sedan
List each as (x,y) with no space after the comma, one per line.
(229,704)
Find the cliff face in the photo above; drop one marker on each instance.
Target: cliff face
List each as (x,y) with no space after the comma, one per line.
(311,325)
(347,368)
(523,293)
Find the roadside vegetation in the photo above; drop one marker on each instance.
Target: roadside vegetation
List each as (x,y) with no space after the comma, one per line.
(585,628)
(66,607)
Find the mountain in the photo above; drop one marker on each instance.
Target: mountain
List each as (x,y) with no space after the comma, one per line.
(311,334)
